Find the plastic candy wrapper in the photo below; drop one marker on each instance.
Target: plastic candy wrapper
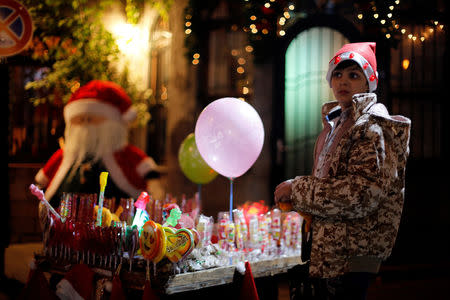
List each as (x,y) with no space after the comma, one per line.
(241,228)
(253,231)
(205,228)
(222,229)
(291,233)
(263,232)
(128,210)
(275,226)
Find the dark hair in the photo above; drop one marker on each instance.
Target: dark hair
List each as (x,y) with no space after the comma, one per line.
(346,63)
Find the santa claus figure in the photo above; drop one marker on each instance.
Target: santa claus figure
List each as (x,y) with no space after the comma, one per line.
(96,140)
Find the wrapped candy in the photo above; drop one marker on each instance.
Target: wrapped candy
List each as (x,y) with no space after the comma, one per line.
(128,210)
(241,228)
(253,241)
(141,214)
(275,226)
(224,222)
(205,228)
(263,232)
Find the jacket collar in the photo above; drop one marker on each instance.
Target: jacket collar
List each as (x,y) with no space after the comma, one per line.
(361,103)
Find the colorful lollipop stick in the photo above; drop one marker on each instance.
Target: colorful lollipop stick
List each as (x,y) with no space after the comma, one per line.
(40,195)
(103,179)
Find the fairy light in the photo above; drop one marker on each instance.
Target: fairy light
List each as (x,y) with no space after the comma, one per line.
(422,38)
(405,64)
(388,36)
(287,15)
(240,70)
(375,16)
(245,90)
(360,16)
(249,49)
(291,7)
(403,30)
(383,21)
(253,18)
(267,5)
(196,56)
(389,15)
(265,31)
(281,32)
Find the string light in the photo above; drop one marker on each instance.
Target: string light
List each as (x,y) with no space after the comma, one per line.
(360,16)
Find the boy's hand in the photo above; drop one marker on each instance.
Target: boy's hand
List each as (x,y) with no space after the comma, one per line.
(283,192)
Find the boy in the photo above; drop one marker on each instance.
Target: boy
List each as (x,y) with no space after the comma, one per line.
(356,190)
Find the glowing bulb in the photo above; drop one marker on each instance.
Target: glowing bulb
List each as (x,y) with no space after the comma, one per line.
(405,63)
(267,5)
(253,18)
(389,15)
(282,33)
(382,21)
(414,38)
(391,7)
(388,36)
(187,24)
(249,48)
(436,23)
(188,31)
(375,16)
(291,7)
(397,2)
(410,36)
(240,70)
(287,15)
(196,56)
(360,16)
(403,31)
(265,31)
(422,38)
(245,90)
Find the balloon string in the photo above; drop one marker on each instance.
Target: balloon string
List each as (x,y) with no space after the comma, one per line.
(231,199)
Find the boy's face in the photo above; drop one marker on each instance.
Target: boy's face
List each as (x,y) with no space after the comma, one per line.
(347,82)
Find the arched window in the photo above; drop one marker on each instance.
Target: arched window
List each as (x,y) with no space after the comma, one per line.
(306,89)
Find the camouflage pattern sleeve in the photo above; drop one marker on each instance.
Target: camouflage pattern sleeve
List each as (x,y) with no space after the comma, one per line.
(354,190)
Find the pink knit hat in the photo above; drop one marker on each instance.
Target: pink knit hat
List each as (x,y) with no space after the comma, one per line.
(103,98)
(364,55)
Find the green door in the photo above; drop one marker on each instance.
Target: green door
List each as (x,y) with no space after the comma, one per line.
(306,89)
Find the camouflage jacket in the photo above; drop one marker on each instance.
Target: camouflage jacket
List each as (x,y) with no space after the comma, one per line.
(357,200)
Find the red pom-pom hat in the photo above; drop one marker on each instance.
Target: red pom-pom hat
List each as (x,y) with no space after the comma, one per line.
(102,98)
(364,55)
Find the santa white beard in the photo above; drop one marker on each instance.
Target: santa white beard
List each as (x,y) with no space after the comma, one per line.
(94,141)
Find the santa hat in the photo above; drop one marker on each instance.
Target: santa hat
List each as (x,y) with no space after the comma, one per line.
(361,53)
(102,98)
(248,289)
(78,283)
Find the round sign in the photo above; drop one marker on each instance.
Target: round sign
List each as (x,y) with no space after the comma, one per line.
(16,27)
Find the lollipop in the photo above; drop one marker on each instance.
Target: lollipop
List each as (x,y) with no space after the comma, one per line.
(163,243)
(150,240)
(180,243)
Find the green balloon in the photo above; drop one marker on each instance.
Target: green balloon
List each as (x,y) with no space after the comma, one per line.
(192,163)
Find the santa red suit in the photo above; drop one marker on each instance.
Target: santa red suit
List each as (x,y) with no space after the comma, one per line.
(128,167)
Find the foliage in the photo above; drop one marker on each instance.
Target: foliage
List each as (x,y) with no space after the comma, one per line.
(71,40)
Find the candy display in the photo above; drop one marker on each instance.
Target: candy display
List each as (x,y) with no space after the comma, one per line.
(169,237)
